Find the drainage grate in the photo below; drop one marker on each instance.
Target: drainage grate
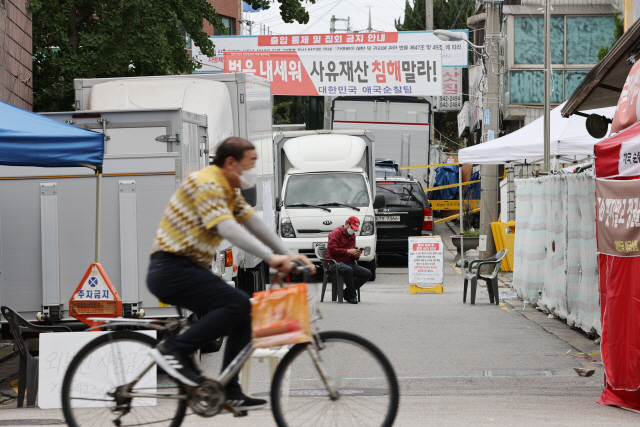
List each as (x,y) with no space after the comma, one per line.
(322,392)
(517,373)
(33,422)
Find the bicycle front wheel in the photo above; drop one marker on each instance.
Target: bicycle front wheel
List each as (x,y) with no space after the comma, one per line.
(366,383)
(93,390)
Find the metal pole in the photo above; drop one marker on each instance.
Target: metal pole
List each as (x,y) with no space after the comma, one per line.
(547,84)
(461,219)
(428,15)
(490,125)
(98,210)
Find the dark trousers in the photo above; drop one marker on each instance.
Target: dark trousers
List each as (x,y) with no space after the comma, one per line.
(225,310)
(354,277)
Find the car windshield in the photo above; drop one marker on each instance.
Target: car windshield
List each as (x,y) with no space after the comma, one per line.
(327,188)
(382,171)
(401,193)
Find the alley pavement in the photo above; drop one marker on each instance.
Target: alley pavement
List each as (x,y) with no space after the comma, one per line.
(457,364)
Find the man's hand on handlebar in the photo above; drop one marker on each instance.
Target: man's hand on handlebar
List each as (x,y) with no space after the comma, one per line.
(283,263)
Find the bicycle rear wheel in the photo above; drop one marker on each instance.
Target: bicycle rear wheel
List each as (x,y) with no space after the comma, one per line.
(361,373)
(90,390)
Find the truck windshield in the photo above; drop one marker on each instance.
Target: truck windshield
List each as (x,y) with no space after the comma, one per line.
(327,188)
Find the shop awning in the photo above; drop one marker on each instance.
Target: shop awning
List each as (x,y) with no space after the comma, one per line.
(602,86)
(29,139)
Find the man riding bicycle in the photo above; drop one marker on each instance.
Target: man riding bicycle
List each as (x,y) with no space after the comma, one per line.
(206,209)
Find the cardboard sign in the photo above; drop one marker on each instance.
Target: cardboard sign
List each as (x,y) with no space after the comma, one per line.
(95,296)
(96,373)
(426,260)
(321,73)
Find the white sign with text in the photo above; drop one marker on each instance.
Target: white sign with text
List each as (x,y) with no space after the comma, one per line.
(426,260)
(94,378)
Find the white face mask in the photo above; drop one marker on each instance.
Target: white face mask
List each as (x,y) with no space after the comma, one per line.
(351,231)
(248,178)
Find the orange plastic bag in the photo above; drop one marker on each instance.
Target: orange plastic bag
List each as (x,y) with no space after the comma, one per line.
(280,316)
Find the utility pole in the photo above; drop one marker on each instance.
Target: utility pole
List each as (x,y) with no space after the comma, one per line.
(332,28)
(489,173)
(428,15)
(547,84)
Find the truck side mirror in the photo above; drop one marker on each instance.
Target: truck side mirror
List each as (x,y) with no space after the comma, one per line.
(250,195)
(278,204)
(379,202)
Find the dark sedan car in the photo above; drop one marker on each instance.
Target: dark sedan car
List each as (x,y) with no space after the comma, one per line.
(407,213)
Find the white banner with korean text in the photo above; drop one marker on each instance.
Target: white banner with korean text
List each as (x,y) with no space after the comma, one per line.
(312,73)
(411,43)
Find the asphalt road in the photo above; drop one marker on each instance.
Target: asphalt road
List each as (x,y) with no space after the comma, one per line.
(441,350)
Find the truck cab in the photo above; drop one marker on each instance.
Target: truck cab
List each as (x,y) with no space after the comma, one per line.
(326,176)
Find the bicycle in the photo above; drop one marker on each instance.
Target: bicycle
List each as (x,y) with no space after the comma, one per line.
(337,378)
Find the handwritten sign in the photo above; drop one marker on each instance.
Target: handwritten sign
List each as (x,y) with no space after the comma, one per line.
(97,374)
(426,260)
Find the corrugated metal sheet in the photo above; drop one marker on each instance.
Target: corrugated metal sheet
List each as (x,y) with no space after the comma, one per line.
(576,8)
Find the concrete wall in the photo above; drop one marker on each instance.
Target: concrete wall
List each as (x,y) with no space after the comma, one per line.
(16,79)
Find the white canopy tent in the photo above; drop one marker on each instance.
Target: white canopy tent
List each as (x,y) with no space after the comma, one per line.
(570,142)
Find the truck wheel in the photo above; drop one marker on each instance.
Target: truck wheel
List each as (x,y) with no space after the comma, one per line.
(371,266)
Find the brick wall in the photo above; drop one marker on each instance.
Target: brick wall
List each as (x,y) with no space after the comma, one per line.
(230,8)
(16,82)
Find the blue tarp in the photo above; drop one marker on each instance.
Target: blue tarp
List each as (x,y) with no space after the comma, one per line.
(445,175)
(475,188)
(29,139)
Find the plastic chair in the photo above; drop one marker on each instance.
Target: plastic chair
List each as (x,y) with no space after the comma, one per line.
(492,281)
(28,372)
(331,272)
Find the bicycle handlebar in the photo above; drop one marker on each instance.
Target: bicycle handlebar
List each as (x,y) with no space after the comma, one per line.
(300,267)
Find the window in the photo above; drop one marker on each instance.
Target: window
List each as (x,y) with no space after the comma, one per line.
(529,40)
(401,194)
(585,36)
(527,87)
(574,40)
(229,23)
(326,188)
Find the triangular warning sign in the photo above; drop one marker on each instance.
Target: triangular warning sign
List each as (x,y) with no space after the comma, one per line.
(95,296)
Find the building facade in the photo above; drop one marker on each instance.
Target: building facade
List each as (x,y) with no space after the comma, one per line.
(578,30)
(230,11)
(16,78)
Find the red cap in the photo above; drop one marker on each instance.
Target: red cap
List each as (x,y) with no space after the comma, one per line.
(354,223)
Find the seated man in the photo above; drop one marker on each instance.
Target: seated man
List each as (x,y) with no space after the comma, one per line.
(342,248)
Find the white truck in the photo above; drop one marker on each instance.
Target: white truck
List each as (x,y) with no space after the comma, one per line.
(401,125)
(324,177)
(48,216)
(236,104)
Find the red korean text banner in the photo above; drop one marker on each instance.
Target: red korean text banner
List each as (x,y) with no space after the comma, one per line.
(410,43)
(618,217)
(619,155)
(311,73)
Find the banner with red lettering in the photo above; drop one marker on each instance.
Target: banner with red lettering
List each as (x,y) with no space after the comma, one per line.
(426,260)
(312,73)
(411,43)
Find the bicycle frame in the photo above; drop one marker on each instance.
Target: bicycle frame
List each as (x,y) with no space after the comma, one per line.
(229,372)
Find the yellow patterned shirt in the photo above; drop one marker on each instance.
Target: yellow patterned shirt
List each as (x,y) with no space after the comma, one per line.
(188,225)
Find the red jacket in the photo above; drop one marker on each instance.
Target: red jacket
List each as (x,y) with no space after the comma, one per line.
(339,242)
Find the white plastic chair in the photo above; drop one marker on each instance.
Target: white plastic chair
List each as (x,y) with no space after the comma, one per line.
(274,355)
